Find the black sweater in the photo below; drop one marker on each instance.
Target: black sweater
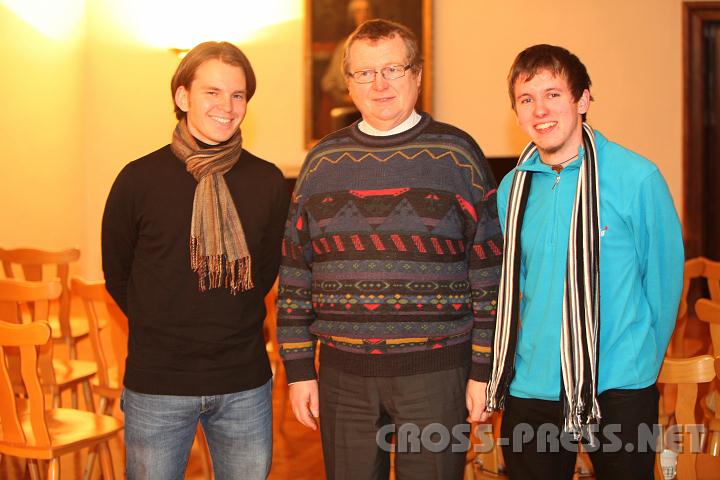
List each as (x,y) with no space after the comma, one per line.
(182,341)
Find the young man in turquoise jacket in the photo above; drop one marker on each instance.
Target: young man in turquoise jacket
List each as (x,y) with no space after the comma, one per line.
(591,280)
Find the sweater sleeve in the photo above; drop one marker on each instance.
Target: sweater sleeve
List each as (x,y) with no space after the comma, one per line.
(659,245)
(295,307)
(119,237)
(484,273)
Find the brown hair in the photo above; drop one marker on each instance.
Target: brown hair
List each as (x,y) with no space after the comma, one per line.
(554,59)
(377,29)
(223,51)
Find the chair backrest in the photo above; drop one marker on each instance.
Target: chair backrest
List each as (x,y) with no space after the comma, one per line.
(36,265)
(99,304)
(701,267)
(713,447)
(709,311)
(695,268)
(36,296)
(687,373)
(27,339)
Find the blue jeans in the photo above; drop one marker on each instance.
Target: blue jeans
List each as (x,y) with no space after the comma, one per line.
(159,431)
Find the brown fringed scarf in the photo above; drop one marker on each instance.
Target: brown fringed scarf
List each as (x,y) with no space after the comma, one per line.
(218,250)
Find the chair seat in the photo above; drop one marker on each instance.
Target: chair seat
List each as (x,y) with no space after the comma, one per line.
(113,390)
(78,327)
(68,372)
(69,430)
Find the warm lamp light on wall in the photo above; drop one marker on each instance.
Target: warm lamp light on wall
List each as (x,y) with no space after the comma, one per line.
(180,52)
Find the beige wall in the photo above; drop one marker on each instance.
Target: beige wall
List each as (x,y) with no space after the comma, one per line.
(129,110)
(632,50)
(74,112)
(41,198)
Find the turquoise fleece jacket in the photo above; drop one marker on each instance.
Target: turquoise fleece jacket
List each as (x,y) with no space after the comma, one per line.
(641,270)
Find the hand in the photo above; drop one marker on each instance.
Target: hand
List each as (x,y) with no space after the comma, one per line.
(305,402)
(475,400)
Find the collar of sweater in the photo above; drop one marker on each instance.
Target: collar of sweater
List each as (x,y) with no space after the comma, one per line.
(389,141)
(405,125)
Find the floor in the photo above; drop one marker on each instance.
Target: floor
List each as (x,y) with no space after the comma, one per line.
(296,454)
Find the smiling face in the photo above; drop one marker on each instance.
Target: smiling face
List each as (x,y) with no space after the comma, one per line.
(216,101)
(548,113)
(384,104)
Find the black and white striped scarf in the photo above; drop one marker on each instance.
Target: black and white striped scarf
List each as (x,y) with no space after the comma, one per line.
(581,300)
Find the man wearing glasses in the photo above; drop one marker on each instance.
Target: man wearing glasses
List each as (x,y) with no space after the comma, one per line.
(391,261)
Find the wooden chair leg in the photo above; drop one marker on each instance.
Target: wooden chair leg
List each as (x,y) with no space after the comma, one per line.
(90,466)
(72,351)
(88,396)
(53,470)
(73,398)
(32,466)
(106,461)
(103,406)
(714,442)
(469,471)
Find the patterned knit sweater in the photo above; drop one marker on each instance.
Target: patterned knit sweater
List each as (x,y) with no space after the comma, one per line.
(391,255)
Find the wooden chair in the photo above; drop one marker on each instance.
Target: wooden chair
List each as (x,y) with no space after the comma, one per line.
(484,459)
(36,265)
(714,426)
(686,374)
(28,430)
(100,308)
(709,312)
(58,375)
(695,268)
(98,304)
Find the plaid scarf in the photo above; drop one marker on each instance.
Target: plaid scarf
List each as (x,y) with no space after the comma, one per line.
(581,300)
(218,250)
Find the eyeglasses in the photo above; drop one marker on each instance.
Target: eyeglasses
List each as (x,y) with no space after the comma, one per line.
(391,72)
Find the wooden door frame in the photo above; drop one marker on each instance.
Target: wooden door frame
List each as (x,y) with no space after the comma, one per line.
(694,15)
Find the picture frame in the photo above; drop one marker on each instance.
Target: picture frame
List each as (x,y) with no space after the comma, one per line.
(328,23)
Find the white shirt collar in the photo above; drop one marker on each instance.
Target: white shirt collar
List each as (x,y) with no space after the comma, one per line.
(407,124)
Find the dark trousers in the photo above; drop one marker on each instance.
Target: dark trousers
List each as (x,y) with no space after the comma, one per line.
(537,448)
(422,410)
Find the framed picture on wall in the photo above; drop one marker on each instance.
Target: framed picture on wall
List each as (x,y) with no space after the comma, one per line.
(328,24)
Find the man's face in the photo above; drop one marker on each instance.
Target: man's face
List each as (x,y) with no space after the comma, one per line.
(384,104)
(548,113)
(216,101)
